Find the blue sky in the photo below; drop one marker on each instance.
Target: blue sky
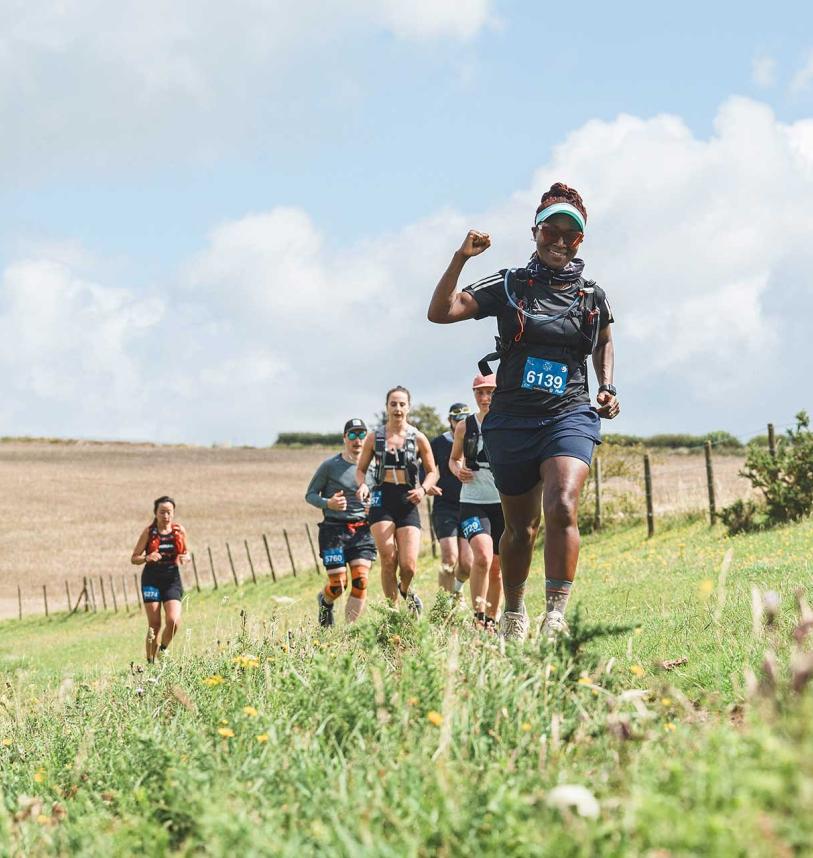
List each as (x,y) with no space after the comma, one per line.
(160,161)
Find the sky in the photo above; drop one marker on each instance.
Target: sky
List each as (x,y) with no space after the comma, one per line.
(223,221)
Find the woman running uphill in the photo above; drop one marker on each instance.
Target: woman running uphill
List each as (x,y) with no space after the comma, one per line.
(160,548)
(396,496)
(344,535)
(541,430)
(481,517)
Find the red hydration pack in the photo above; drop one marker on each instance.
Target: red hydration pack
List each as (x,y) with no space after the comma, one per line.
(155,538)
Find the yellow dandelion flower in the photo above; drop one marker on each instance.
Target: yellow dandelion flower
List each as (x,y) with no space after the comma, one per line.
(224,722)
(525,727)
(39,776)
(412,701)
(250,711)
(434,718)
(638,630)
(585,680)
(637,670)
(213,680)
(42,819)
(6,742)
(262,738)
(225,732)
(666,701)
(669,727)
(705,587)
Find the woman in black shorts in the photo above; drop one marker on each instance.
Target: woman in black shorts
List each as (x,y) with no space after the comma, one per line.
(541,430)
(160,548)
(481,518)
(344,535)
(396,496)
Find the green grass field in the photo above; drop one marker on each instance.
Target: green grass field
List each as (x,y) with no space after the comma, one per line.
(261,735)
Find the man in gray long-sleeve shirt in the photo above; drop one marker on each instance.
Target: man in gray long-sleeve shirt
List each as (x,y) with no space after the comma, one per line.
(344,535)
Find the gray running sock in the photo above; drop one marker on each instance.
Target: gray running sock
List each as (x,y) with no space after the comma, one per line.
(514,597)
(458,585)
(557,592)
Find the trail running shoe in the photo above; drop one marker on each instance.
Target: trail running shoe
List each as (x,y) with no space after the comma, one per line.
(326,618)
(513,626)
(554,625)
(414,603)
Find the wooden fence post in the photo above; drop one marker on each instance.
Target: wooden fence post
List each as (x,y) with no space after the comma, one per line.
(212,566)
(137,589)
(86,593)
(124,593)
(771,440)
(233,570)
(68,594)
(432,536)
(290,553)
(598,522)
(650,513)
(250,562)
(93,595)
(710,483)
(45,598)
(104,597)
(195,570)
(113,595)
(270,561)
(313,550)
(19,602)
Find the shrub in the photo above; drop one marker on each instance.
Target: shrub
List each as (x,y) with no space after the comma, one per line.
(785,480)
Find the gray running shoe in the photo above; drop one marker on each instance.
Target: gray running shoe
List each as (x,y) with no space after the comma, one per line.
(414,603)
(326,618)
(554,625)
(513,626)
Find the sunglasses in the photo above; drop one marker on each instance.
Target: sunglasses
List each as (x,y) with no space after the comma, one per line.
(551,234)
(459,415)
(361,435)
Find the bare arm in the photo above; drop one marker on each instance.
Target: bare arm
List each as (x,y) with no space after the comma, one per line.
(185,557)
(427,457)
(447,304)
(604,364)
(365,458)
(138,558)
(456,464)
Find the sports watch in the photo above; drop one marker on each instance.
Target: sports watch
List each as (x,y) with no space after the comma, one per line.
(610,388)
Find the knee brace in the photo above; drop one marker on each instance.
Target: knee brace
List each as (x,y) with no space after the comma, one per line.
(359,586)
(335,586)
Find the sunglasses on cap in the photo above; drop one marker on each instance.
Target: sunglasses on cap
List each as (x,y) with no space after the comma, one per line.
(551,234)
(361,434)
(459,415)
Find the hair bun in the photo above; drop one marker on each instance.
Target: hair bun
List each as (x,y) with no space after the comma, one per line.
(559,192)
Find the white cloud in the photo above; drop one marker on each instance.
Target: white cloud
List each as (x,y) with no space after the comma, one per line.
(804,76)
(702,245)
(763,71)
(96,84)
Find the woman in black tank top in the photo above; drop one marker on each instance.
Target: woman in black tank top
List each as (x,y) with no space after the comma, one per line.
(160,549)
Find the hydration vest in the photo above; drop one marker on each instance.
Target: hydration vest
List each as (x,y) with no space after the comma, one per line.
(583,313)
(155,538)
(406,459)
(471,444)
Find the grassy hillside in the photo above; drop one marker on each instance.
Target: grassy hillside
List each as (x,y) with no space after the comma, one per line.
(260,735)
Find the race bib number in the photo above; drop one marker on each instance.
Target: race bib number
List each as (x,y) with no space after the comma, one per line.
(545,375)
(471,527)
(150,594)
(333,556)
(375,498)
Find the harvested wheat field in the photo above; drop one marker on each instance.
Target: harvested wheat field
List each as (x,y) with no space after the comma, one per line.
(74,509)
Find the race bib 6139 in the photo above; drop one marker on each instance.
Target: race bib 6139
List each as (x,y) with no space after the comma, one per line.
(545,375)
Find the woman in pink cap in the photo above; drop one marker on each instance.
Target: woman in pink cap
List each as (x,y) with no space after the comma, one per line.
(481,516)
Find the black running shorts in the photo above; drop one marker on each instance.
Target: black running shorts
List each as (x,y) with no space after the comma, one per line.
(161,583)
(482,518)
(340,544)
(445,519)
(388,502)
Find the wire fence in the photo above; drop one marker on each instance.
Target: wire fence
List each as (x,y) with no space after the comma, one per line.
(623,485)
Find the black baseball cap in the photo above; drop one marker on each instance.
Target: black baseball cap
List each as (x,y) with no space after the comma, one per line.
(459,410)
(354,423)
